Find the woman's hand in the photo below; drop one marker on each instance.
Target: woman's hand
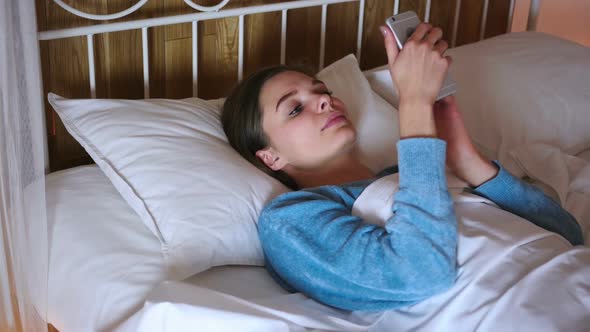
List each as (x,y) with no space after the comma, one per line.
(418,71)
(463,159)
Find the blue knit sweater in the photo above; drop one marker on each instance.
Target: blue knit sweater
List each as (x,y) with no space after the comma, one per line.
(314,245)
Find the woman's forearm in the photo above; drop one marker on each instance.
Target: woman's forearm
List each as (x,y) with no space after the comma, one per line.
(478,171)
(529,202)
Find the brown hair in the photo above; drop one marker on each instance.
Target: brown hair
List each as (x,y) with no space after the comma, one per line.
(242,119)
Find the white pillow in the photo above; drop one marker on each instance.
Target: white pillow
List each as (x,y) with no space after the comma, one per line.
(171,162)
(518,88)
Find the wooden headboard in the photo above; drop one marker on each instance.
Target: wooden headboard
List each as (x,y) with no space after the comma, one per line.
(118,57)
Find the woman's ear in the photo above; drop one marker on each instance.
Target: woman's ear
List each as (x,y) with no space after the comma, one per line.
(271,158)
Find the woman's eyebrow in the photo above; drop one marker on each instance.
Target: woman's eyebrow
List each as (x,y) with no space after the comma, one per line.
(316,81)
(283,98)
(289,94)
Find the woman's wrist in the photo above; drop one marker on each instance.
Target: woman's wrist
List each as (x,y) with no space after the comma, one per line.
(478,172)
(416,119)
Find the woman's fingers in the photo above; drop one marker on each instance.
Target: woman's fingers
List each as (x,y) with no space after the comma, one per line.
(420,32)
(449,59)
(434,35)
(417,70)
(441,46)
(390,44)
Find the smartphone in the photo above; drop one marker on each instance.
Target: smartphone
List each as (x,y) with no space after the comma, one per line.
(403,26)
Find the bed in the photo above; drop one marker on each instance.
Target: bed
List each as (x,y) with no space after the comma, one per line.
(114,266)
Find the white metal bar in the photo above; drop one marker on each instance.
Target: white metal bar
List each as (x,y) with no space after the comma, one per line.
(323,36)
(146,63)
(531,24)
(396,7)
(484,19)
(456,23)
(427,13)
(359,36)
(195,42)
(510,16)
(207,8)
(241,48)
(159,21)
(91,74)
(283,36)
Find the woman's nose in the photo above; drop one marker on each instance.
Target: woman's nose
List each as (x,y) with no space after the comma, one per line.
(324,103)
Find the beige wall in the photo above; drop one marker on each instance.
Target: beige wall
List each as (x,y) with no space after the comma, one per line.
(569,19)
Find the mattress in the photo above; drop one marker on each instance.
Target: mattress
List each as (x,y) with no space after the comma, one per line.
(106,274)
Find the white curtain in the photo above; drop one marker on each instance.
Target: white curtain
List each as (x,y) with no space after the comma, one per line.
(23,223)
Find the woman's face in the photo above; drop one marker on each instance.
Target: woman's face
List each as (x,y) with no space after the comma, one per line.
(306,126)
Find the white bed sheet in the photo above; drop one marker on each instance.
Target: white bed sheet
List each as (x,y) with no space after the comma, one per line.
(102,259)
(513,276)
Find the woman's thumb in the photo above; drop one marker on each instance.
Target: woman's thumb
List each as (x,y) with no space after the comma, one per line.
(390,44)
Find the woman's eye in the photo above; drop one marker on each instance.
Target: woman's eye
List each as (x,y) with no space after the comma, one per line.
(296,111)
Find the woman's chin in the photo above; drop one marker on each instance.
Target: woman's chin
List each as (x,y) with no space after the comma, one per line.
(347,138)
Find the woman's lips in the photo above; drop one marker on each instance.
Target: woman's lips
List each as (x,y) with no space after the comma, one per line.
(334,120)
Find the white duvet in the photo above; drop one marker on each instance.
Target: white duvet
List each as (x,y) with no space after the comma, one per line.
(513,276)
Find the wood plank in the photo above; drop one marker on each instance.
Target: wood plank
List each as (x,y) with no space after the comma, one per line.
(340,38)
(418,6)
(262,41)
(376,11)
(121,65)
(469,22)
(442,15)
(178,78)
(58,18)
(303,38)
(497,21)
(178,31)
(157,63)
(218,57)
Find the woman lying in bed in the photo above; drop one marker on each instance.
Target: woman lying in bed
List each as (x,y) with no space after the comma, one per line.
(289,125)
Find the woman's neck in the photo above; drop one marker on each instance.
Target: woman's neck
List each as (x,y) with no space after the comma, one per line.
(343,170)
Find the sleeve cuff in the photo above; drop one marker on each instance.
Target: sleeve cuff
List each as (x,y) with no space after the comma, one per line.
(421,162)
(497,184)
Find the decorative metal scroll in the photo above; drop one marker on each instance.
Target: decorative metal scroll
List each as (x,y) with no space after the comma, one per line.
(207,8)
(132,9)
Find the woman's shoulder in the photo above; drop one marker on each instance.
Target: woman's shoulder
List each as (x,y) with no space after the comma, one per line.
(337,193)
(308,202)
(317,200)
(345,193)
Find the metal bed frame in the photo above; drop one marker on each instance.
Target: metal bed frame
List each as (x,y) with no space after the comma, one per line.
(213,12)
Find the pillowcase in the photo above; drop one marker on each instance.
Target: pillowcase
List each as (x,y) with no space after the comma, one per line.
(171,162)
(515,89)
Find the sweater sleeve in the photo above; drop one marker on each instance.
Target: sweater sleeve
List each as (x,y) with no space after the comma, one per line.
(529,202)
(314,243)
